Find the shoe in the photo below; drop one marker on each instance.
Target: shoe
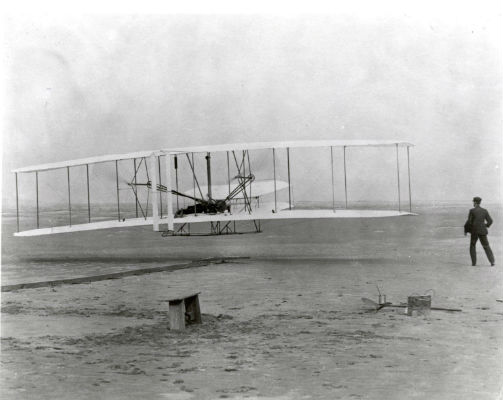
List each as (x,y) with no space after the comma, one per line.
(492,264)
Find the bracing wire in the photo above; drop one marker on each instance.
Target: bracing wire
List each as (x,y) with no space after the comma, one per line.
(195,177)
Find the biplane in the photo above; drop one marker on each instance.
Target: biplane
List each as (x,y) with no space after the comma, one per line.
(170,192)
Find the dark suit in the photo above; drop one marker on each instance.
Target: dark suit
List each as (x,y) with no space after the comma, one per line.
(478,222)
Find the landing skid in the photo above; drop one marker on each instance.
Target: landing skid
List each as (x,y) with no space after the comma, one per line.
(216,228)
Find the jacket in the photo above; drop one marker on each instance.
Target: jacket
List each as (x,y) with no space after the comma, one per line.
(478,221)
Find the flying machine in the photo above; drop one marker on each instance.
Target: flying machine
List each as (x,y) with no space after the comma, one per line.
(171,206)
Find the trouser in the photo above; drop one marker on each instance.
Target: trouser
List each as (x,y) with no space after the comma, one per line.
(485,245)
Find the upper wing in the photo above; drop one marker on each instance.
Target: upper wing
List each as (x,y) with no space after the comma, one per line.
(215,148)
(289,144)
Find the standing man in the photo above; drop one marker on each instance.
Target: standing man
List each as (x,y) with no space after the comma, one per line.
(478,222)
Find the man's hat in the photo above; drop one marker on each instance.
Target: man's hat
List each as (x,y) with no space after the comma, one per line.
(477,200)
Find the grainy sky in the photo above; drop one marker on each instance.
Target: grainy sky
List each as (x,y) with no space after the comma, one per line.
(93,85)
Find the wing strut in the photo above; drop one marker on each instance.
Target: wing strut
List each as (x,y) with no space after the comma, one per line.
(135,185)
(146,207)
(242,180)
(134,191)
(117,185)
(36,185)
(228,174)
(208,173)
(240,176)
(245,193)
(345,179)
(194,181)
(88,195)
(169,195)
(408,167)
(192,167)
(155,206)
(274,172)
(69,196)
(17,204)
(146,168)
(333,186)
(176,180)
(249,167)
(289,185)
(160,183)
(398,177)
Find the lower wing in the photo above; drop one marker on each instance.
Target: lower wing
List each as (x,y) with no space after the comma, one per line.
(265,212)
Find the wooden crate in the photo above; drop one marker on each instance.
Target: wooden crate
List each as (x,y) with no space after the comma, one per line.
(184,310)
(418,305)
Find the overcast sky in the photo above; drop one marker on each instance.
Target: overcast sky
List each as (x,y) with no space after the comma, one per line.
(85,86)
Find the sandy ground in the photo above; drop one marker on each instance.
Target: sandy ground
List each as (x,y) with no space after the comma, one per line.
(288,323)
